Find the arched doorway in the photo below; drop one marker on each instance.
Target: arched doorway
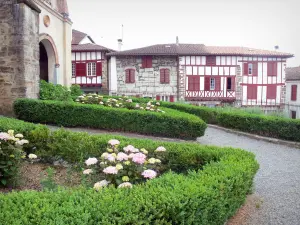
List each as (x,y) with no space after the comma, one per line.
(44,70)
(48,59)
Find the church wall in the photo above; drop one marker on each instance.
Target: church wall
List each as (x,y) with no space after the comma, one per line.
(19,53)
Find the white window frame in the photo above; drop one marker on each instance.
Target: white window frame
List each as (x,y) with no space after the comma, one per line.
(91,69)
(212,84)
(73,69)
(250,69)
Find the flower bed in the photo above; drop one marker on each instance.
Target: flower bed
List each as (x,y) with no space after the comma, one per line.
(170,124)
(206,185)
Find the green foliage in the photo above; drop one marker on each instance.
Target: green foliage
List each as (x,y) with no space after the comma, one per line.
(206,186)
(49,91)
(170,124)
(11,155)
(48,183)
(75,90)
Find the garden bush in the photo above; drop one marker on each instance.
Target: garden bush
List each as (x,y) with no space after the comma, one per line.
(49,91)
(206,185)
(170,124)
(75,90)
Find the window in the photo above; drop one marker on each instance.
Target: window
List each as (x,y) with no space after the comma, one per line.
(294,93)
(73,69)
(212,83)
(250,69)
(271,91)
(293,114)
(229,83)
(80,69)
(251,92)
(164,76)
(130,76)
(147,62)
(210,60)
(272,69)
(193,83)
(171,98)
(91,69)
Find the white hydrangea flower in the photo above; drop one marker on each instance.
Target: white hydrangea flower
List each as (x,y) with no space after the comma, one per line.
(32,156)
(113,142)
(160,149)
(101,184)
(19,136)
(87,171)
(152,161)
(91,161)
(125,185)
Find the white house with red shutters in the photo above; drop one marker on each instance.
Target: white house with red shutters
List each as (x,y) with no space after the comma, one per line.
(292,102)
(206,75)
(89,65)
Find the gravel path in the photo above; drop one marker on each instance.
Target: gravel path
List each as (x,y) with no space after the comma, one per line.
(277,183)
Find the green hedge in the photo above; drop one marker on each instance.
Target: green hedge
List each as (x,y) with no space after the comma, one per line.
(207,196)
(49,91)
(170,124)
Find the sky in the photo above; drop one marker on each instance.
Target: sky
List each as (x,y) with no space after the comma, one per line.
(259,24)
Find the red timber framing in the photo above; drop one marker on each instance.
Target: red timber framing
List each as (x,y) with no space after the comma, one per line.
(87,68)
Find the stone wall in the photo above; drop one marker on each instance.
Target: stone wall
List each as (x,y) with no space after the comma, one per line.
(147,80)
(238,87)
(19,52)
(104,79)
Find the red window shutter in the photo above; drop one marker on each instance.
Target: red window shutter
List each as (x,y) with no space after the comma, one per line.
(171,98)
(190,83)
(149,62)
(210,60)
(196,83)
(294,93)
(157,98)
(99,69)
(275,68)
(144,62)
(162,75)
(271,91)
(80,69)
(167,76)
(218,84)
(245,68)
(251,92)
(132,76)
(207,84)
(272,69)
(127,76)
(255,69)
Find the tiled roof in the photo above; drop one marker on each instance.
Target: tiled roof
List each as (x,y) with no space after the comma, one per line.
(198,49)
(62,6)
(292,73)
(77,37)
(90,47)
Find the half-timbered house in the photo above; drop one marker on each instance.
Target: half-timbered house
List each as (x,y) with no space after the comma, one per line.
(89,65)
(202,74)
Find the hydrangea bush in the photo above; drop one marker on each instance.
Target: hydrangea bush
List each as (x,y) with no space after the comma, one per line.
(122,102)
(11,154)
(123,168)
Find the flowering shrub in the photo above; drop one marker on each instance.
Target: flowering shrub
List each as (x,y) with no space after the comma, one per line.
(123,168)
(122,102)
(11,154)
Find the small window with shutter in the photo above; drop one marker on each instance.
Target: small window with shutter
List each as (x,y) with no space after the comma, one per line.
(251,69)
(164,76)
(294,93)
(251,92)
(272,69)
(212,84)
(193,83)
(271,91)
(293,114)
(130,76)
(210,60)
(147,62)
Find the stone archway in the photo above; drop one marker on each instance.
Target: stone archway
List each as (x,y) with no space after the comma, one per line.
(48,59)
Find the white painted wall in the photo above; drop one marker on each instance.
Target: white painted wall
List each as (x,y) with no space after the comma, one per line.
(113,82)
(289,104)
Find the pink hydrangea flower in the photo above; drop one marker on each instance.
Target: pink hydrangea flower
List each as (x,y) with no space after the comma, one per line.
(113,142)
(4,136)
(125,185)
(160,149)
(150,174)
(129,148)
(139,158)
(110,158)
(91,161)
(110,170)
(122,156)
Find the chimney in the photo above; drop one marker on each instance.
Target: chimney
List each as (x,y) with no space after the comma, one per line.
(276,47)
(177,40)
(120,44)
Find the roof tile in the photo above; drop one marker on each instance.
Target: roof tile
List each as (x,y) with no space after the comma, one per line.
(292,73)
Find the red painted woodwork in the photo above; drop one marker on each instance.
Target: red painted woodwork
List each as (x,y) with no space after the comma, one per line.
(272,69)
(294,93)
(171,98)
(245,68)
(129,76)
(80,69)
(99,69)
(228,96)
(207,84)
(164,76)
(217,83)
(271,91)
(147,62)
(251,92)
(193,83)
(211,60)
(254,69)
(157,98)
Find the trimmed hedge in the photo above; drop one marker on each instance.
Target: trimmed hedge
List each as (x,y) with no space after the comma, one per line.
(170,124)
(209,196)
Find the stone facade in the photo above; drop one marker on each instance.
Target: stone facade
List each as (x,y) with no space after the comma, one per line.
(147,80)
(19,52)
